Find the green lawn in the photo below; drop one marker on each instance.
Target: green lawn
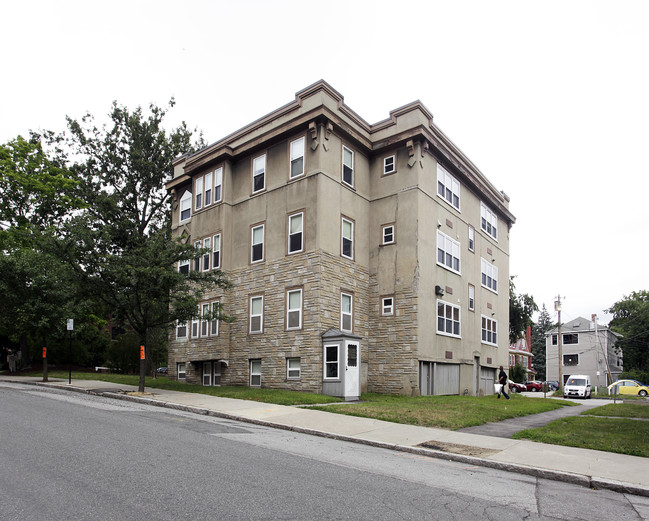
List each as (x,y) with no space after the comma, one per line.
(446,412)
(621,410)
(620,435)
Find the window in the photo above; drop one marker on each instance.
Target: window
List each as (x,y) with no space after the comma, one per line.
(197,259)
(571,338)
(295,226)
(208,189)
(183,266)
(181,330)
(489,331)
(218,185)
(214,322)
(255,373)
(186,206)
(571,359)
(388,234)
(489,275)
(448,319)
(216,251)
(199,194)
(207,373)
(347,246)
(293,369)
(259,174)
(348,166)
(387,306)
(471,297)
(555,340)
(195,325)
(257,243)
(331,361)
(180,370)
(488,221)
(297,158)
(207,246)
(294,309)
(471,238)
(389,165)
(205,313)
(345,312)
(448,187)
(256,314)
(448,252)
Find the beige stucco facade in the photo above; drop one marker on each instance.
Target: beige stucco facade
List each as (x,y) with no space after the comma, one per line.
(389,269)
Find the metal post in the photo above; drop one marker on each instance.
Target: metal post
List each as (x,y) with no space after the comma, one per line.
(70,360)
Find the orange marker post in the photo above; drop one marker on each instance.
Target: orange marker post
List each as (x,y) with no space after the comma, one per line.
(142,355)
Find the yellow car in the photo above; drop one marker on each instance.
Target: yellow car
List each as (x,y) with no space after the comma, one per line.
(628,387)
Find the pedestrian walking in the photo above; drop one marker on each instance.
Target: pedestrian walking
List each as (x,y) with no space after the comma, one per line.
(502,380)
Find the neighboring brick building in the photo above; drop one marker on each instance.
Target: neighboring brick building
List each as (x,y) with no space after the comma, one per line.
(346,242)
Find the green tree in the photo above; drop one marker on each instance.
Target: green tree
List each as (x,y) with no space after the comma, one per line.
(539,329)
(521,310)
(37,192)
(517,373)
(120,246)
(631,319)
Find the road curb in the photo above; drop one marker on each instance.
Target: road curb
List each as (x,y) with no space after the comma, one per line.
(565,477)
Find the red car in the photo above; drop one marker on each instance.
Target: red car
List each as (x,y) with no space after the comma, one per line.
(533,386)
(516,388)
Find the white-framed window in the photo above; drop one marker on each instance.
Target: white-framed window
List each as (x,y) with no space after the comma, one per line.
(489,331)
(205,323)
(471,238)
(181,330)
(207,373)
(257,243)
(387,234)
(297,158)
(218,184)
(389,165)
(216,380)
(256,314)
(331,362)
(572,359)
(183,266)
(216,251)
(489,275)
(208,189)
(346,310)
(448,252)
(566,338)
(214,322)
(293,368)
(448,319)
(196,324)
(347,238)
(296,232)
(197,259)
(255,373)
(387,306)
(294,309)
(448,188)
(185,207)
(198,203)
(471,297)
(488,221)
(207,246)
(348,166)
(259,174)
(180,370)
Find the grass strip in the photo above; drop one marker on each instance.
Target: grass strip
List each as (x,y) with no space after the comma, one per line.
(446,412)
(619,435)
(621,410)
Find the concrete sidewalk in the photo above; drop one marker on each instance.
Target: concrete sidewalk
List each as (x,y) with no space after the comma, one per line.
(590,468)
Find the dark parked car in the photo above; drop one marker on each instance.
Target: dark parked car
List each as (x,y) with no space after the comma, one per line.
(533,385)
(516,388)
(553,385)
(162,370)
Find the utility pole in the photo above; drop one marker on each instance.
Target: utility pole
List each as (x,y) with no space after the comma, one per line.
(557,308)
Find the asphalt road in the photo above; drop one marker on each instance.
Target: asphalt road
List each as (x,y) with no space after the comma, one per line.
(72,456)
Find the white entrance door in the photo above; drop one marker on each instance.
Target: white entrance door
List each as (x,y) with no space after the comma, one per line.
(352,370)
(207,373)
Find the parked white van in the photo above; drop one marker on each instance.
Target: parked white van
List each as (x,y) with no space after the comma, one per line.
(577,385)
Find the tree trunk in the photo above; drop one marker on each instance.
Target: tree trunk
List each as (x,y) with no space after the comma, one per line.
(142,361)
(45,358)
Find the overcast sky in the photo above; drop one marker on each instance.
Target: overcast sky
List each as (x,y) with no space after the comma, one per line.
(549,99)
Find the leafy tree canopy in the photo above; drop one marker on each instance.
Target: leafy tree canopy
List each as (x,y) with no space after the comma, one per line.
(521,310)
(631,319)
